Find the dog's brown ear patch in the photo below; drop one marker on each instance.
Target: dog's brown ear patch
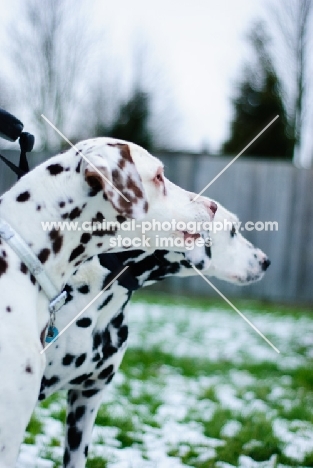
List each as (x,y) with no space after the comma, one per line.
(113,171)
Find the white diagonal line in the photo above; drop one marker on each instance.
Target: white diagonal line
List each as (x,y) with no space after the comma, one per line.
(82,311)
(235,158)
(86,159)
(235,309)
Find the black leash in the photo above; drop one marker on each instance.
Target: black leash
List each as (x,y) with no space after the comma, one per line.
(11,129)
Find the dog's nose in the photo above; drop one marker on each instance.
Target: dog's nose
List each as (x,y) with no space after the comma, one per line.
(265,264)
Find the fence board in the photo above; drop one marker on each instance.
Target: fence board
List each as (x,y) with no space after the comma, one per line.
(255,191)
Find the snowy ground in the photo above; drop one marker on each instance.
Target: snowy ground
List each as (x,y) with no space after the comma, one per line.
(198,388)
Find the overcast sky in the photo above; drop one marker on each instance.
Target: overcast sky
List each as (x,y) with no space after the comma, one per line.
(196,48)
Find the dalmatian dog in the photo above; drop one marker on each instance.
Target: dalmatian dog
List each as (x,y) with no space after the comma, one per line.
(85,184)
(85,359)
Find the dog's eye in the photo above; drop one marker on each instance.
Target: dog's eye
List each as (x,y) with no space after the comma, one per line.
(233,231)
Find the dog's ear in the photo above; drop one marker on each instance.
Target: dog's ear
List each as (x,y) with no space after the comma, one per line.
(110,168)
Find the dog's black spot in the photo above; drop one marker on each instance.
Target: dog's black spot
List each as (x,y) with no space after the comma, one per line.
(94,184)
(76,252)
(72,396)
(105,302)
(66,457)
(83,289)
(70,200)
(52,381)
(44,255)
(85,238)
(108,348)
(3,266)
(64,216)
(79,412)
(100,363)
(24,268)
(75,213)
(97,340)
(23,197)
(62,204)
(80,379)
(208,251)
(200,265)
(57,240)
(100,244)
(74,437)
(38,208)
(96,357)
(69,291)
(8,309)
(86,451)
(118,320)
(109,379)
(78,166)
(55,169)
(28,369)
(33,279)
(106,372)
(80,360)
(84,322)
(121,219)
(90,393)
(70,419)
(41,397)
(98,218)
(89,383)
(68,359)
(122,335)
(104,232)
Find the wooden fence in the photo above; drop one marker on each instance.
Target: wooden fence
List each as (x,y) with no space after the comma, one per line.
(255,191)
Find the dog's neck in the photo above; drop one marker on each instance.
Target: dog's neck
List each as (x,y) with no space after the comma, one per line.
(56,191)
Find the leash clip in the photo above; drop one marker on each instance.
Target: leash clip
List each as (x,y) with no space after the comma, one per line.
(54,306)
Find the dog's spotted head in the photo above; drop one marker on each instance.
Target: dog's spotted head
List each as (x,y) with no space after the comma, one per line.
(233,258)
(107,166)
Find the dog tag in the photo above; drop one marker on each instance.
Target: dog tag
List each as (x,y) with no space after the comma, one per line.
(52,334)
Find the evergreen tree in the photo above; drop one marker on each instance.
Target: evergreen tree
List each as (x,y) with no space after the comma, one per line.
(257,102)
(132,120)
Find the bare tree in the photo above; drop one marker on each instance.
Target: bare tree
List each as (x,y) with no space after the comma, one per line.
(50,57)
(293,21)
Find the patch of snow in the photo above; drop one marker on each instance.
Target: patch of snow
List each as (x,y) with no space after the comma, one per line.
(231,428)
(297,437)
(247,462)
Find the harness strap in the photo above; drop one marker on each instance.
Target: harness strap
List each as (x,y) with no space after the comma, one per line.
(35,267)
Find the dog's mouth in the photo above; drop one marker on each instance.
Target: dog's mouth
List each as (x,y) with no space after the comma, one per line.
(188,235)
(245,280)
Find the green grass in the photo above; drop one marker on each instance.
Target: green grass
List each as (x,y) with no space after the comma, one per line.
(158,388)
(205,303)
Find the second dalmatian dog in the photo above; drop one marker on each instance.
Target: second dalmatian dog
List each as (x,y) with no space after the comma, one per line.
(85,358)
